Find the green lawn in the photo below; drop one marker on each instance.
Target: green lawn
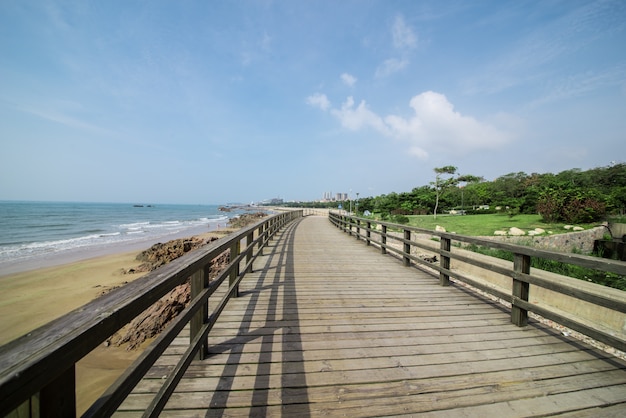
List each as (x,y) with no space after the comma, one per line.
(485,225)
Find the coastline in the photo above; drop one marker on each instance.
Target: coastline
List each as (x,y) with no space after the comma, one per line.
(36,296)
(80,254)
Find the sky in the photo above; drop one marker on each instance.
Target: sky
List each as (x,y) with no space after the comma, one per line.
(210,102)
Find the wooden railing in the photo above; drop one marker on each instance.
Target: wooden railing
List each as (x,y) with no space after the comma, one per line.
(37,371)
(378,233)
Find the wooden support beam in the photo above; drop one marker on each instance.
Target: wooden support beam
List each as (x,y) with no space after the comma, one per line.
(521,264)
(407,248)
(445,245)
(58,398)
(199,281)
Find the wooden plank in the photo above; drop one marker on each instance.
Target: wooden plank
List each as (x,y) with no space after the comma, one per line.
(421,396)
(327,327)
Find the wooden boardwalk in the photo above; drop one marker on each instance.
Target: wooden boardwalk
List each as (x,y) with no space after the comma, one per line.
(326,326)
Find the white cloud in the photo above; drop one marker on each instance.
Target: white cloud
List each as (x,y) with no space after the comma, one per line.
(319,100)
(403,40)
(357,118)
(58,112)
(390,66)
(348,79)
(578,85)
(434,126)
(403,35)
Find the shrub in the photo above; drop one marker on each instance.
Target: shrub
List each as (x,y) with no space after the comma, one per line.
(583,211)
(400,219)
(572,206)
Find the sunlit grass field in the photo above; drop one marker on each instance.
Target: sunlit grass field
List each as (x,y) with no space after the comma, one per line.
(486,225)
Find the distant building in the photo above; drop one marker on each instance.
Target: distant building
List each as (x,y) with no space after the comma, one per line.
(338,197)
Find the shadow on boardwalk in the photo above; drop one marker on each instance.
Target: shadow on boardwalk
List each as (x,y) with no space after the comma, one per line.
(273,288)
(326,326)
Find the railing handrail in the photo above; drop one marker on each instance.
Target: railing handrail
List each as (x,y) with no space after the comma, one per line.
(604,264)
(45,358)
(520,273)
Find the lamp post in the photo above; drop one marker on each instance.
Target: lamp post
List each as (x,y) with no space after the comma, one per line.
(357,203)
(350,199)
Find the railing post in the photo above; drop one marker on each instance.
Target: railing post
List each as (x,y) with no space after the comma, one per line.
(249,239)
(368,234)
(234,273)
(58,398)
(261,238)
(358,228)
(445,245)
(407,248)
(383,237)
(199,281)
(521,264)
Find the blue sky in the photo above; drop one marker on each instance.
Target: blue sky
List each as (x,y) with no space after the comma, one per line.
(223,101)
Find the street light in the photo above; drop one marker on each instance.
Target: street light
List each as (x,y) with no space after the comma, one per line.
(357,203)
(350,199)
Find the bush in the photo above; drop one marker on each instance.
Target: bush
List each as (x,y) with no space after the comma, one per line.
(400,219)
(583,211)
(573,206)
(550,209)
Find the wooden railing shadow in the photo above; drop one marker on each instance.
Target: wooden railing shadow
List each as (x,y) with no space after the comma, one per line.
(276,276)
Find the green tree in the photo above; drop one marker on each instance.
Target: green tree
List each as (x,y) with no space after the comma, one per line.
(442,184)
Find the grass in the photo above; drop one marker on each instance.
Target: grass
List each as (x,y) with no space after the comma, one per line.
(486,225)
(603,278)
(618,219)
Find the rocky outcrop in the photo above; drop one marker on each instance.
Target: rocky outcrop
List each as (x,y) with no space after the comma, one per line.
(246,219)
(160,254)
(154,319)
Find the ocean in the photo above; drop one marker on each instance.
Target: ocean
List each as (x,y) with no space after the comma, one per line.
(42,234)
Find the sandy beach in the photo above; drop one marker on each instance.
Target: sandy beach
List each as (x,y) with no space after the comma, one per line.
(33,298)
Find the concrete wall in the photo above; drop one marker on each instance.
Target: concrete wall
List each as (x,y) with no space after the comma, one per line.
(618,230)
(580,241)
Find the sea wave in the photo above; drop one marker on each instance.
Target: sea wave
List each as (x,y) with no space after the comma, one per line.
(32,230)
(124,233)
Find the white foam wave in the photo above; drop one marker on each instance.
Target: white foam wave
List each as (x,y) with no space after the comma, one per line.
(122,233)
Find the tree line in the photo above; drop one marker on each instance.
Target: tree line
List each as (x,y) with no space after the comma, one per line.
(571,196)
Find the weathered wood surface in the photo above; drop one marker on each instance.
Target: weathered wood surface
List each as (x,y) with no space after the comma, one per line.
(326,326)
